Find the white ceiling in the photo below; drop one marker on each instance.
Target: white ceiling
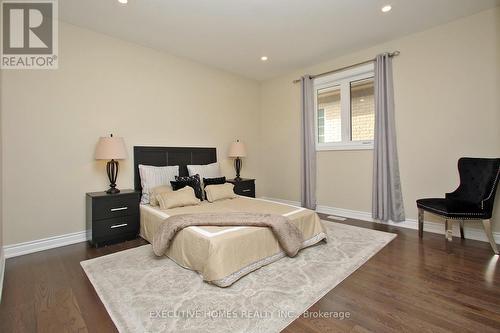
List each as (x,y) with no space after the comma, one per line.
(234,34)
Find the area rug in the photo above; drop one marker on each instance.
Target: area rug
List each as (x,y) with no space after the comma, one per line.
(144,293)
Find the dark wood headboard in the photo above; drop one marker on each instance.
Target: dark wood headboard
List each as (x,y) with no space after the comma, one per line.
(163,156)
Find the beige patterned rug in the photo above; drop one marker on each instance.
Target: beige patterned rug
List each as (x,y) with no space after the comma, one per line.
(143,293)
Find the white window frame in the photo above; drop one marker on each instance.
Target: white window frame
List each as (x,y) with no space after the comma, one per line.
(342,79)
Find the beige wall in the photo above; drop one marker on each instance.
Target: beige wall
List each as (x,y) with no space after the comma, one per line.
(447,88)
(52,120)
(2,259)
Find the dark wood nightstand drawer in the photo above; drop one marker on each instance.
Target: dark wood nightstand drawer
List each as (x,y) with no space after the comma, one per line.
(115,207)
(110,228)
(245,187)
(245,190)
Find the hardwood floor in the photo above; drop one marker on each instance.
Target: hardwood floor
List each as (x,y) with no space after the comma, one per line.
(411,285)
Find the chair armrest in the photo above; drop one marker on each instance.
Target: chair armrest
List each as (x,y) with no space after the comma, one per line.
(455,195)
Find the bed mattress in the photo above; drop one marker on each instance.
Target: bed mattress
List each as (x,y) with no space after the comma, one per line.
(222,255)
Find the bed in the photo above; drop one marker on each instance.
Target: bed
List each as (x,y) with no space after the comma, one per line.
(221,255)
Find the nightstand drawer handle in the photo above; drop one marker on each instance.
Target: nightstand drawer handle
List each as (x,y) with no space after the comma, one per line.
(119,208)
(119,225)
(248,190)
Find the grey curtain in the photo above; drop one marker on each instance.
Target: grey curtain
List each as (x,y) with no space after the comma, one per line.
(308,167)
(387,197)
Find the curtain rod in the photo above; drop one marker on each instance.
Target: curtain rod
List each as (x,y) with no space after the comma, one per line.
(391,54)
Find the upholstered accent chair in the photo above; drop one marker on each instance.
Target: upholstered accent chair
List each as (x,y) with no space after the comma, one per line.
(471,201)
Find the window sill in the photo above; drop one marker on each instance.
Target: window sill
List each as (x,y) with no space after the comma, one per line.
(345,146)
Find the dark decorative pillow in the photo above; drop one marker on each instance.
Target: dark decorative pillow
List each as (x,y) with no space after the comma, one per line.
(213,181)
(193,181)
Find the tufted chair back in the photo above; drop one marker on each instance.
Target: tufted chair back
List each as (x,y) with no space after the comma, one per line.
(478,182)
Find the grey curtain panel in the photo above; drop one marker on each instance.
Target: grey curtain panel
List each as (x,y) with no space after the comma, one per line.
(308,167)
(387,199)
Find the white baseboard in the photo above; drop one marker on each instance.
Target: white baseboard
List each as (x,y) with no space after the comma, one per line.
(20,249)
(288,202)
(437,228)
(2,271)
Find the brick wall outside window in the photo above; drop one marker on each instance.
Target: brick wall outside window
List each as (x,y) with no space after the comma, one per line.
(329,102)
(362,114)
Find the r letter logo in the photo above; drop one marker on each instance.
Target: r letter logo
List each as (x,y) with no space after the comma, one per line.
(29,34)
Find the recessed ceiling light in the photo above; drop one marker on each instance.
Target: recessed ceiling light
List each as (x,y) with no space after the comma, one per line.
(123,1)
(386,8)
(263,58)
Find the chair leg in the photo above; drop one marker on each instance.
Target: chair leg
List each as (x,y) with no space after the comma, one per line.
(448,226)
(462,233)
(420,222)
(489,234)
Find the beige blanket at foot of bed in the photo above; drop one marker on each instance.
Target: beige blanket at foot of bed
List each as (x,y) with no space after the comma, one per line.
(289,236)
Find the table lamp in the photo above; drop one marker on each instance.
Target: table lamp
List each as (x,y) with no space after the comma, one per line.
(237,150)
(112,149)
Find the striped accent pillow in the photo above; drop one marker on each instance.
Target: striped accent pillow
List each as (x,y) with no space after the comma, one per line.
(153,176)
(205,171)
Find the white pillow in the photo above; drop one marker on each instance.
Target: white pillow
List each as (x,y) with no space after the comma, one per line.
(205,171)
(153,176)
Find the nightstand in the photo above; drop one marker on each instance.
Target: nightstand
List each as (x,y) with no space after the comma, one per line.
(112,218)
(243,186)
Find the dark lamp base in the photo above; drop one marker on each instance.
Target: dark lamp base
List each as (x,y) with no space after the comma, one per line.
(237,167)
(113,190)
(112,171)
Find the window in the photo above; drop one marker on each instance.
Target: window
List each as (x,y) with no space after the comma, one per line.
(329,115)
(344,104)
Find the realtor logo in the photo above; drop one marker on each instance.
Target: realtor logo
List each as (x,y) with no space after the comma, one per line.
(29,34)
